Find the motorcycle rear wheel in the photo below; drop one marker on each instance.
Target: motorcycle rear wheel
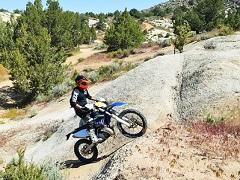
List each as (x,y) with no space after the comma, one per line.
(88,156)
(136,119)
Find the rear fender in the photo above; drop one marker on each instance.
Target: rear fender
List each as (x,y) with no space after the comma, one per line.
(83,133)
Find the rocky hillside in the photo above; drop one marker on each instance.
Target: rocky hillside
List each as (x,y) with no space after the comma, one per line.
(6,16)
(188,3)
(204,80)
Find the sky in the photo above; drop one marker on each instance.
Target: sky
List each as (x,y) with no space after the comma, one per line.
(96,6)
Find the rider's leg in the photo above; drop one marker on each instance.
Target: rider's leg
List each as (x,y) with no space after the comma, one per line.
(91,130)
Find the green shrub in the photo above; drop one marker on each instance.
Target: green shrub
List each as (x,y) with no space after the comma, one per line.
(209,45)
(1,161)
(80,60)
(121,53)
(52,170)
(108,72)
(88,70)
(33,113)
(124,33)
(21,170)
(49,132)
(212,119)
(73,51)
(101,46)
(56,91)
(183,32)
(61,89)
(93,76)
(204,37)
(225,30)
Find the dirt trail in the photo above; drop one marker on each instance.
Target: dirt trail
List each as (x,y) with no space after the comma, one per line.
(84,53)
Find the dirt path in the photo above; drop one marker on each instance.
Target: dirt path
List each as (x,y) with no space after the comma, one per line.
(84,53)
(101,59)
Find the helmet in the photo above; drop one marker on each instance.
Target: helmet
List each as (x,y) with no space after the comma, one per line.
(82,82)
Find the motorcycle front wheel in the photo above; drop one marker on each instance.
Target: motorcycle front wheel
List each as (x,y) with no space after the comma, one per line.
(83,156)
(137,121)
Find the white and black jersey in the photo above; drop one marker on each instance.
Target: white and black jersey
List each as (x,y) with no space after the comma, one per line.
(79,96)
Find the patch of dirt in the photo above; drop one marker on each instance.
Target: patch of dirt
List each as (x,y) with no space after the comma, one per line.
(94,61)
(146,26)
(4,73)
(83,54)
(98,59)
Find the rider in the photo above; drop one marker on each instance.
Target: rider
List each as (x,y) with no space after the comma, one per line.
(79,102)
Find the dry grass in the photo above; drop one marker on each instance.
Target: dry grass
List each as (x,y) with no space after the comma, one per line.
(180,151)
(13,113)
(4,75)
(218,139)
(73,52)
(204,36)
(1,161)
(98,57)
(111,71)
(233,116)
(49,132)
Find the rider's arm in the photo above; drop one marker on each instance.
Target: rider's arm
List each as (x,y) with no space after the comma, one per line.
(74,99)
(89,96)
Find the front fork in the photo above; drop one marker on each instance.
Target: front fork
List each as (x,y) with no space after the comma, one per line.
(121,120)
(117,118)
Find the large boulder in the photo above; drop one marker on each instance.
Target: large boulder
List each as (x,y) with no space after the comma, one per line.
(210,79)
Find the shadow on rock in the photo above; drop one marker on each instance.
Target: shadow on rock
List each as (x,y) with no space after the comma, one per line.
(77,163)
(10,98)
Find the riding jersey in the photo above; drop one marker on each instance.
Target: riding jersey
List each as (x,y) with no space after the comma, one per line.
(80,96)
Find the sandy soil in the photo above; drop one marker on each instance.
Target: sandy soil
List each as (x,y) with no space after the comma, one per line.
(84,53)
(146,26)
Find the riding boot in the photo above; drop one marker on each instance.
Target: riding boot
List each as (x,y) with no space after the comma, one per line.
(93,136)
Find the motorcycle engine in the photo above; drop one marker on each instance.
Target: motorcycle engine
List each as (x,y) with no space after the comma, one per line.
(103,135)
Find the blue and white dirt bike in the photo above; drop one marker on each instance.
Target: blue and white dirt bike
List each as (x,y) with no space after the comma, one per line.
(130,122)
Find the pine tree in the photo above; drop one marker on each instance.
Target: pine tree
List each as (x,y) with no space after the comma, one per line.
(233,19)
(211,11)
(183,32)
(54,22)
(6,42)
(124,33)
(195,22)
(101,23)
(36,67)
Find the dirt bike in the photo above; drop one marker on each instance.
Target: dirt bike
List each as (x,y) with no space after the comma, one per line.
(130,122)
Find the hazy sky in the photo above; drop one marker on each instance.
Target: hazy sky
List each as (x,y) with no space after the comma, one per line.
(87,5)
